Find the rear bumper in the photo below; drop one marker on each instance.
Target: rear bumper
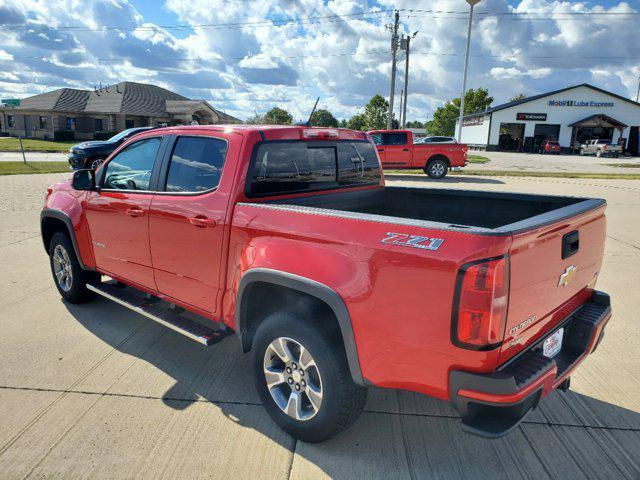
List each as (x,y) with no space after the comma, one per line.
(493,404)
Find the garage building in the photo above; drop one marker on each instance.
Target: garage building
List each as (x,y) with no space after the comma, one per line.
(570,116)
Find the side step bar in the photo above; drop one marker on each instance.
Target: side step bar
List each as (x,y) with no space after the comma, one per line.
(195,331)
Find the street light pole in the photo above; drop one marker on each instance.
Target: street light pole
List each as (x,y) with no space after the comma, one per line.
(638,94)
(394,49)
(406,42)
(472,3)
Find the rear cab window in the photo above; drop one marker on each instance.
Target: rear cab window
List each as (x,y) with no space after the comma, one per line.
(279,168)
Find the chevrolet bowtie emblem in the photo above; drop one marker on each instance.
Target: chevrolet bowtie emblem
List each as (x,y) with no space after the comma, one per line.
(567,277)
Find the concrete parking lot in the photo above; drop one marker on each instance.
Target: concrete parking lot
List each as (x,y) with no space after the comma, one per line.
(95,391)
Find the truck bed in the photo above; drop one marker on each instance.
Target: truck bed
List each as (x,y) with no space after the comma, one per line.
(481,212)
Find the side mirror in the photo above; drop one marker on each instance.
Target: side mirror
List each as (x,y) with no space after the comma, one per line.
(84,180)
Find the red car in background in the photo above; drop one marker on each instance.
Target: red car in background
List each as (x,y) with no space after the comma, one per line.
(550,146)
(397,150)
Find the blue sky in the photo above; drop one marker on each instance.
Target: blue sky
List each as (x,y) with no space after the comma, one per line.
(281,53)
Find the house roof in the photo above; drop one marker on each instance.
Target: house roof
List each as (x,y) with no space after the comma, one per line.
(599,120)
(125,97)
(547,94)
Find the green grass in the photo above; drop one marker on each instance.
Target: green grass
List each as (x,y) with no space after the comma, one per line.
(20,168)
(477,159)
(10,144)
(511,173)
(623,165)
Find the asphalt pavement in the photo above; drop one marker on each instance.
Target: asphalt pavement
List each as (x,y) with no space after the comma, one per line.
(96,391)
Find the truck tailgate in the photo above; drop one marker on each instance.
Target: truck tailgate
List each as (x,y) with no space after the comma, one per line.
(544,286)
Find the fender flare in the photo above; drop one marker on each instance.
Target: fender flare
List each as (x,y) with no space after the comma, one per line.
(59,215)
(310,287)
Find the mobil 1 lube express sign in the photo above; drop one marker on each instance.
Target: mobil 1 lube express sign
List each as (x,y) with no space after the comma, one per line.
(579,103)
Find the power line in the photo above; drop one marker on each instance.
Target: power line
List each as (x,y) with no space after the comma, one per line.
(414,13)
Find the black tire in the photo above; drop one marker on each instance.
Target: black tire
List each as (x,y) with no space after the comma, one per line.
(74,291)
(437,168)
(342,399)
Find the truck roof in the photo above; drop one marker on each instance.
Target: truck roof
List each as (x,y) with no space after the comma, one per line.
(276,132)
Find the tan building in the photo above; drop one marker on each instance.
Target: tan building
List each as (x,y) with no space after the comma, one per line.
(84,113)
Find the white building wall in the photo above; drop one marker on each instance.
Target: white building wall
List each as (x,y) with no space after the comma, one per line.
(625,112)
(475,134)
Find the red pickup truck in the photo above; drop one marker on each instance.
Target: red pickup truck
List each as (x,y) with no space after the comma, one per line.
(289,237)
(397,151)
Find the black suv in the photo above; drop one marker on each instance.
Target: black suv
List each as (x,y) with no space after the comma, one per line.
(92,154)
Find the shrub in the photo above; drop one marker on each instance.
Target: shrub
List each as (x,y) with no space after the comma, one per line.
(63,135)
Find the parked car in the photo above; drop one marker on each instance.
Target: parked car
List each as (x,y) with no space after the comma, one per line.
(601,148)
(435,140)
(92,154)
(550,146)
(397,150)
(289,237)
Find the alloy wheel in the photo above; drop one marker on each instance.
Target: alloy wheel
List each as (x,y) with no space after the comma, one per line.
(293,378)
(62,268)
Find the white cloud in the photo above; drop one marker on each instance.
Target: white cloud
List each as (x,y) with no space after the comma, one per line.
(257,64)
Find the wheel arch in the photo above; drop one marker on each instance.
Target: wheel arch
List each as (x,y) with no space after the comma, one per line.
(52,221)
(438,156)
(328,297)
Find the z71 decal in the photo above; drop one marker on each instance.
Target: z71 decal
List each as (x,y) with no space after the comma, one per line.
(414,241)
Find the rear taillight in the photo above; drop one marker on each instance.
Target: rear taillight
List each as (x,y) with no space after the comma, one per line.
(480,304)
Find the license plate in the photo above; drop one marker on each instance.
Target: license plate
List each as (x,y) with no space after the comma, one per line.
(552,345)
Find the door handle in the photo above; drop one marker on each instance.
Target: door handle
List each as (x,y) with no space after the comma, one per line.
(405,149)
(381,149)
(135,212)
(202,222)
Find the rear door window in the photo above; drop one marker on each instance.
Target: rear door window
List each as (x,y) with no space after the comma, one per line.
(196,164)
(395,138)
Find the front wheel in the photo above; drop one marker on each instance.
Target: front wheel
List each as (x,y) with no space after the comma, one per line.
(96,162)
(303,379)
(68,275)
(437,168)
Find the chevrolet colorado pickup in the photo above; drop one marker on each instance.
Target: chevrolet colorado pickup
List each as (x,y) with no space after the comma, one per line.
(288,238)
(397,150)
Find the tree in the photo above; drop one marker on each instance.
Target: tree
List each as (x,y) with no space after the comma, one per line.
(323,118)
(444,118)
(357,122)
(375,113)
(255,120)
(415,124)
(518,96)
(278,116)
(343,123)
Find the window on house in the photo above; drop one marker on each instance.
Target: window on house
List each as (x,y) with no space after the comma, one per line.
(128,124)
(42,122)
(98,125)
(71,123)
(11,121)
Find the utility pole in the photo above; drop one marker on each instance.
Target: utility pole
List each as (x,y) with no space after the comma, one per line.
(394,49)
(400,124)
(638,94)
(404,45)
(471,3)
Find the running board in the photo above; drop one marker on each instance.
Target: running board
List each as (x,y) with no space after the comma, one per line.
(170,319)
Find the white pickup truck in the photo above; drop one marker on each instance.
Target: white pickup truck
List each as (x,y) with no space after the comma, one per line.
(600,147)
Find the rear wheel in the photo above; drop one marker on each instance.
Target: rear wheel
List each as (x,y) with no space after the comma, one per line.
(303,378)
(69,277)
(437,168)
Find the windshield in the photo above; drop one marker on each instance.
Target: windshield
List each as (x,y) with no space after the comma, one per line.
(122,134)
